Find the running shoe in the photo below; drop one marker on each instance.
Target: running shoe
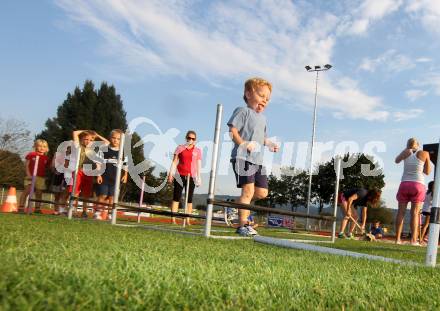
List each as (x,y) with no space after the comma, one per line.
(243,231)
(251,231)
(350,236)
(341,235)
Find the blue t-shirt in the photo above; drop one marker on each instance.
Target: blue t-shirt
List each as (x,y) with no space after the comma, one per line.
(252,127)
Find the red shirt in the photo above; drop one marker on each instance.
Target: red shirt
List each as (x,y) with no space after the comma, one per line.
(43,162)
(188,160)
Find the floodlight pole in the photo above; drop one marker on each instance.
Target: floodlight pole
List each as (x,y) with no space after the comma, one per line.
(316,69)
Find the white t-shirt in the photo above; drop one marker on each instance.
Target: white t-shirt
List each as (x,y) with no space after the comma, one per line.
(427,204)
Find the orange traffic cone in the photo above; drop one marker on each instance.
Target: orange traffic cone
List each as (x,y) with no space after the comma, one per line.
(10,205)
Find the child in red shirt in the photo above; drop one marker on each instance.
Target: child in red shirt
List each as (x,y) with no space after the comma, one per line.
(40,150)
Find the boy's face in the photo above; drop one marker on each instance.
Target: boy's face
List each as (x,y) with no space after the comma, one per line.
(115,140)
(86,140)
(376,224)
(258,98)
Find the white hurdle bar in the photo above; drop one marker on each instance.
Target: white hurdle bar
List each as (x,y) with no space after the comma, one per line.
(213,175)
(118,177)
(434,224)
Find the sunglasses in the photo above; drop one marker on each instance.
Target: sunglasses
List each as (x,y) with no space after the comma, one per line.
(190,138)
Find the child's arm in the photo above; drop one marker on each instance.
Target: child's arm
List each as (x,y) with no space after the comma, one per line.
(75,135)
(271,145)
(236,138)
(103,139)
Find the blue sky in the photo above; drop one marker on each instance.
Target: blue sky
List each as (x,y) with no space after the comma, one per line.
(173,61)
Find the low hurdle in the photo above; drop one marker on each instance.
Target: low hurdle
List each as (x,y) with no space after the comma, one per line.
(211,201)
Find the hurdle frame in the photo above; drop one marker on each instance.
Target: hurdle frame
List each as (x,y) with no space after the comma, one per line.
(434,223)
(211,190)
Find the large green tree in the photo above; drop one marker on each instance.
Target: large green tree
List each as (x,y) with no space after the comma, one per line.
(12,171)
(100,110)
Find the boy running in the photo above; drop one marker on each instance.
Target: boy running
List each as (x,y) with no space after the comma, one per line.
(247,127)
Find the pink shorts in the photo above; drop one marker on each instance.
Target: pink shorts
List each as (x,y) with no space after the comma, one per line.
(411,191)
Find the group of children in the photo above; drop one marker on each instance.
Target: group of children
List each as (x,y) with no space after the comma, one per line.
(248,130)
(63,173)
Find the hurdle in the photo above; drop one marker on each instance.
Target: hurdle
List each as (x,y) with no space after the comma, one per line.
(434,223)
(211,201)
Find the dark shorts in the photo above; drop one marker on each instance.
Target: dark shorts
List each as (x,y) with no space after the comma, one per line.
(178,189)
(105,189)
(249,173)
(426,213)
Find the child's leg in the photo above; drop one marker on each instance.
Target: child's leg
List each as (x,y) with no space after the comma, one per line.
(260,193)
(247,193)
(425,226)
(38,196)
(24,194)
(399,220)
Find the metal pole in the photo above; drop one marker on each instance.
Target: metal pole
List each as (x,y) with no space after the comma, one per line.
(34,178)
(141,199)
(309,192)
(213,174)
(3,194)
(118,178)
(335,203)
(186,198)
(434,226)
(75,174)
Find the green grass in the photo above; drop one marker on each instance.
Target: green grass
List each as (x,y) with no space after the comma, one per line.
(50,263)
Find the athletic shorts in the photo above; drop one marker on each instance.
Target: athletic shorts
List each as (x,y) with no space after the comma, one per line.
(84,185)
(178,189)
(58,183)
(249,173)
(426,213)
(411,191)
(40,183)
(105,189)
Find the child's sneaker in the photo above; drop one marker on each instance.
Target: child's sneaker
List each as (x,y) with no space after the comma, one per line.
(243,231)
(350,236)
(97,215)
(251,231)
(341,235)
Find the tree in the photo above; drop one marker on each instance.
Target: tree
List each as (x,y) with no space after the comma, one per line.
(99,110)
(15,137)
(12,171)
(288,189)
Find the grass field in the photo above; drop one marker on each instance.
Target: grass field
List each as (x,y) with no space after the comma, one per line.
(50,263)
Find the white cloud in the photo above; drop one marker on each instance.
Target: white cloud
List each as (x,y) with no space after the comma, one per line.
(424,60)
(427,11)
(431,81)
(407,114)
(414,95)
(368,12)
(229,41)
(390,61)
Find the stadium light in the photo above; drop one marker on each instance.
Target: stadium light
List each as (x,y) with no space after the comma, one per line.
(309,192)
